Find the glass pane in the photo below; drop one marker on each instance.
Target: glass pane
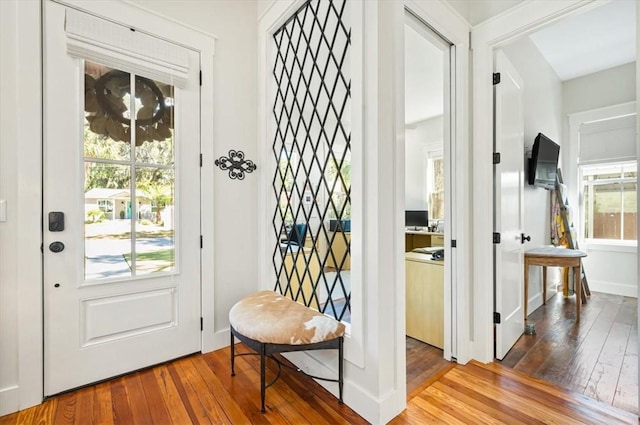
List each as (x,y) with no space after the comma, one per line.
(312,150)
(154,122)
(155,225)
(106,109)
(107,231)
(607,211)
(630,231)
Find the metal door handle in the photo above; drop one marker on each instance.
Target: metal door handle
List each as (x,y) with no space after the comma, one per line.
(524,238)
(56,246)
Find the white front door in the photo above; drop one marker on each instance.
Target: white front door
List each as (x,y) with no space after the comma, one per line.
(508,194)
(121,214)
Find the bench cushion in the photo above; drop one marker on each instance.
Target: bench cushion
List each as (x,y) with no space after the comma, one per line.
(274,319)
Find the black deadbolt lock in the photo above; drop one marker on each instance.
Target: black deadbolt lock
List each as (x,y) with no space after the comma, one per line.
(56,246)
(56,221)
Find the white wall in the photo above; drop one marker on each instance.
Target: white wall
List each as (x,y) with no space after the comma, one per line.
(8,192)
(20,266)
(234,23)
(609,268)
(605,88)
(543,114)
(423,140)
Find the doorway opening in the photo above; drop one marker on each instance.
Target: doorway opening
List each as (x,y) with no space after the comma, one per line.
(428,65)
(594,354)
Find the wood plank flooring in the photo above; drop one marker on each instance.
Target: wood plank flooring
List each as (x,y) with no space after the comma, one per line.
(494,394)
(193,390)
(199,390)
(597,356)
(424,363)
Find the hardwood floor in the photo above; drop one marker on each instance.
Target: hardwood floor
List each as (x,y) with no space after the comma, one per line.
(193,390)
(494,394)
(199,390)
(597,356)
(424,363)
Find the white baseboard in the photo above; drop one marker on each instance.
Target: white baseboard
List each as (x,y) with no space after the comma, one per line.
(220,340)
(613,288)
(9,400)
(536,300)
(359,399)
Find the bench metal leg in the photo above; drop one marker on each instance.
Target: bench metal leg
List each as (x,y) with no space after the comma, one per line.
(340,368)
(233,354)
(262,377)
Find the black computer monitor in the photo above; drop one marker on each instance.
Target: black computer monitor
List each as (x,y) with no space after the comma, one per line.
(416,218)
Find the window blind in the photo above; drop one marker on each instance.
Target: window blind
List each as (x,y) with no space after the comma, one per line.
(123,48)
(611,140)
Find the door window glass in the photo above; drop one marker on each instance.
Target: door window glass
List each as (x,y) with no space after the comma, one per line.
(129,175)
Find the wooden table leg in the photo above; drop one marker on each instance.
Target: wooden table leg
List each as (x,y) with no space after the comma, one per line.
(544,285)
(578,284)
(526,288)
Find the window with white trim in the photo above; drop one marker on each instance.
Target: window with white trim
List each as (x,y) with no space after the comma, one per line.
(609,201)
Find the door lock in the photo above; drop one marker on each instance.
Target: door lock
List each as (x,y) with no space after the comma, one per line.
(56,246)
(56,221)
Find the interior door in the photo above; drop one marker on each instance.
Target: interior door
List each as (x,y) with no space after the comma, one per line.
(508,198)
(121,214)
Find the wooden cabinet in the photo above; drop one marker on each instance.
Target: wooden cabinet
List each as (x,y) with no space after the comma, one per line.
(425,298)
(437,240)
(419,239)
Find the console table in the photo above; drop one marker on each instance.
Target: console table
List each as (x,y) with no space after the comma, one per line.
(552,256)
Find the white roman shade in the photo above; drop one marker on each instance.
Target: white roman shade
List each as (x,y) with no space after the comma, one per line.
(123,48)
(610,140)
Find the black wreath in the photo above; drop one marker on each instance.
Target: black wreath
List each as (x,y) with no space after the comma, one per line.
(102,91)
(105,107)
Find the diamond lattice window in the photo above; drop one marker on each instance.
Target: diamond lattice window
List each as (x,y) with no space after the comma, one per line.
(312,150)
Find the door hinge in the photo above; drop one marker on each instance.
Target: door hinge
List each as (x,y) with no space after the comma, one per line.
(496,158)
(496,317)
(201,160)
(496,237)
(496,78)
(454,243)
(201,77)
(201,241)
(201,324)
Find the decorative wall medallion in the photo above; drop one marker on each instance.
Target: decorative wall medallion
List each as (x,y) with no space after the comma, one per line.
(236,164)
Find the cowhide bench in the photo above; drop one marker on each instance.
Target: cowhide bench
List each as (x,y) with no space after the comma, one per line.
(270,323)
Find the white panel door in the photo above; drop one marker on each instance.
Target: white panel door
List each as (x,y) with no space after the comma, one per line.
(508,194)
(122,267)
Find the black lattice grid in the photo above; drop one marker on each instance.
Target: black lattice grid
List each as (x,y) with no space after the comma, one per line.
(312,146)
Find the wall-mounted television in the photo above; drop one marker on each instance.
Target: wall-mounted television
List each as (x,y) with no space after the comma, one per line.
(543,165)
(416,218)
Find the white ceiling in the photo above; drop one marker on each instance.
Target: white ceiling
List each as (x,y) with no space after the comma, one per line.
(598,39)
(423,78)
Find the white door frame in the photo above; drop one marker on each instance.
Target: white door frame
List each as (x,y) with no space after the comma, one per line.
(457,275)
(28,124)
(516,22)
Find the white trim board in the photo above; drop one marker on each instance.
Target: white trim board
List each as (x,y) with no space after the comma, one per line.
(613,288)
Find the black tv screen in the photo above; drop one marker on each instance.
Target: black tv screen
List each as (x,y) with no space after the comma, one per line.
(416,218)
(543,165)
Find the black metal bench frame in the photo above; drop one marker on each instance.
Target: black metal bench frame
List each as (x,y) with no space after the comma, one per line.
(264,349)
